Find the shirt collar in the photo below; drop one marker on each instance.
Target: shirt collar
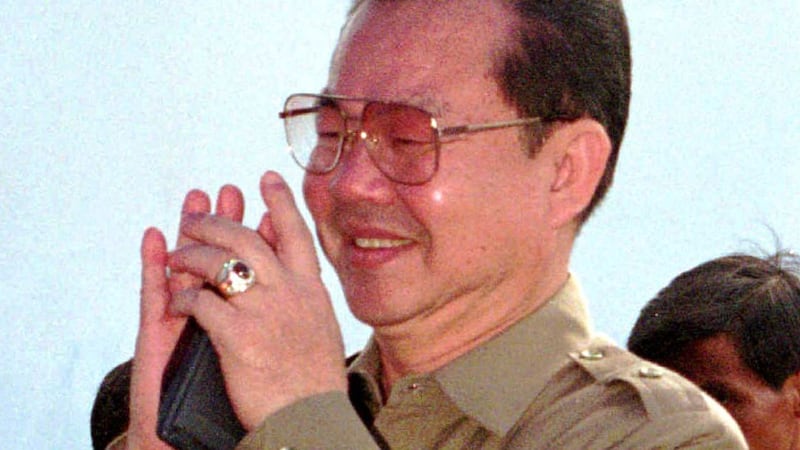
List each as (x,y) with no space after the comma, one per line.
(364,374)
(497,381)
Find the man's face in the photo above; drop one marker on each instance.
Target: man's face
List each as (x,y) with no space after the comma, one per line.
(766,416)
(433,252)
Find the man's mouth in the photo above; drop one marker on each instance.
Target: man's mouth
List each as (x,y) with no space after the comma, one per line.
(372,243)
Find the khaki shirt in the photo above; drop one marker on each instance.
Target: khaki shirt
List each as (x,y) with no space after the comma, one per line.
(545,383)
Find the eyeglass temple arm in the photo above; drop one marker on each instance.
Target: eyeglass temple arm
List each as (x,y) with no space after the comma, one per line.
(464,129)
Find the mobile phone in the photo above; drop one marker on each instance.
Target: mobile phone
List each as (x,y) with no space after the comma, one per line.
(195,412)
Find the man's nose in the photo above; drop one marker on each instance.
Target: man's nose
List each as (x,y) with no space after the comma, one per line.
(357,176)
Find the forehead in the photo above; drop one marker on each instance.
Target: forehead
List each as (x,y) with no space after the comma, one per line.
(417,51)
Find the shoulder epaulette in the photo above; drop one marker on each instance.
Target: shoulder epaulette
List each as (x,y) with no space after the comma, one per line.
(660,390)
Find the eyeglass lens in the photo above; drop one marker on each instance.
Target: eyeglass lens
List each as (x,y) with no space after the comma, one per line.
(400,139)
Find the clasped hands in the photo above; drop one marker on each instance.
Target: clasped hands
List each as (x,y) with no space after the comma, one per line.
(278,342)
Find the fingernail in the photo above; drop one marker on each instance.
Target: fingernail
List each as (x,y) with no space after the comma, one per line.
(273,178)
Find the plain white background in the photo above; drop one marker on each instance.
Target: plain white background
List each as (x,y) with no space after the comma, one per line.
(111,111)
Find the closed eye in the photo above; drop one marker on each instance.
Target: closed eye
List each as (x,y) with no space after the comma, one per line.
(407,141)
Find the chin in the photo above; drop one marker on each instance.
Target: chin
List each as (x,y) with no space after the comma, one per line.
(378,310)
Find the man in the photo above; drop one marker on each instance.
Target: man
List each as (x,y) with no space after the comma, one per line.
(732,325)
(455,153)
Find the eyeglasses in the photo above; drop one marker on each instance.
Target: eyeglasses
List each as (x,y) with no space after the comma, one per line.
(403,141)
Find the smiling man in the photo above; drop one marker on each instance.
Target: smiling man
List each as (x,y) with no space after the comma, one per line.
(451,160)
(732,325)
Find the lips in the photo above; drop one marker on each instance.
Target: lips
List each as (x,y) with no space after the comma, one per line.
(368,237)
(372,253)
(372,247)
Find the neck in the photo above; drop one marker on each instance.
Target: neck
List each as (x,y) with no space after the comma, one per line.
(458,326)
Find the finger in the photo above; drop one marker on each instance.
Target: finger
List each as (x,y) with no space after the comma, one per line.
(210,310)
(203,261)
(154,281)
(266,230)
(230,203)
(240,241)
(196,201)
(158,333)
(207,262)
(294,243)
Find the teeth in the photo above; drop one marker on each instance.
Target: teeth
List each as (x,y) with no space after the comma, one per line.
(381,243)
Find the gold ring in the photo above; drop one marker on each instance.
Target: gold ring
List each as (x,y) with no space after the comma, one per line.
(234,278)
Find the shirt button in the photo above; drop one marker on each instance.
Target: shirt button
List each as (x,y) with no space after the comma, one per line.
(651,372)
(413,387)
(591,354)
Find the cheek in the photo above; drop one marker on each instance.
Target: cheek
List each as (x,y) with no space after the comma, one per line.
(432,205)
(315,193)
(765,424)
(437,197)
(469,218)
(318,202)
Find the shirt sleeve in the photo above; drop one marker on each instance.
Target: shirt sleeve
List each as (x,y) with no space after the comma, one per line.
(688,431)
(320,421)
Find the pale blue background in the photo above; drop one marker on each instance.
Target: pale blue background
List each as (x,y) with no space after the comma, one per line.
(109,112)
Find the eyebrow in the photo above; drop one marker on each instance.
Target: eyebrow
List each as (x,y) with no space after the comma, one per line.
(420,99)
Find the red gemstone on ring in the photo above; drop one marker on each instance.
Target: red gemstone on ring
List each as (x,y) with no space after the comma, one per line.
(241,269)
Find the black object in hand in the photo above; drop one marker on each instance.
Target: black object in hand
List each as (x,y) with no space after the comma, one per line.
(195,412)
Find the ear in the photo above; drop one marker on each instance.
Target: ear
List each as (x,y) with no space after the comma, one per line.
(582,151)
(791,389)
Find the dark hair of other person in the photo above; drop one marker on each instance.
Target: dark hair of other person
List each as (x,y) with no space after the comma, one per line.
(571,59)
(754,300)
